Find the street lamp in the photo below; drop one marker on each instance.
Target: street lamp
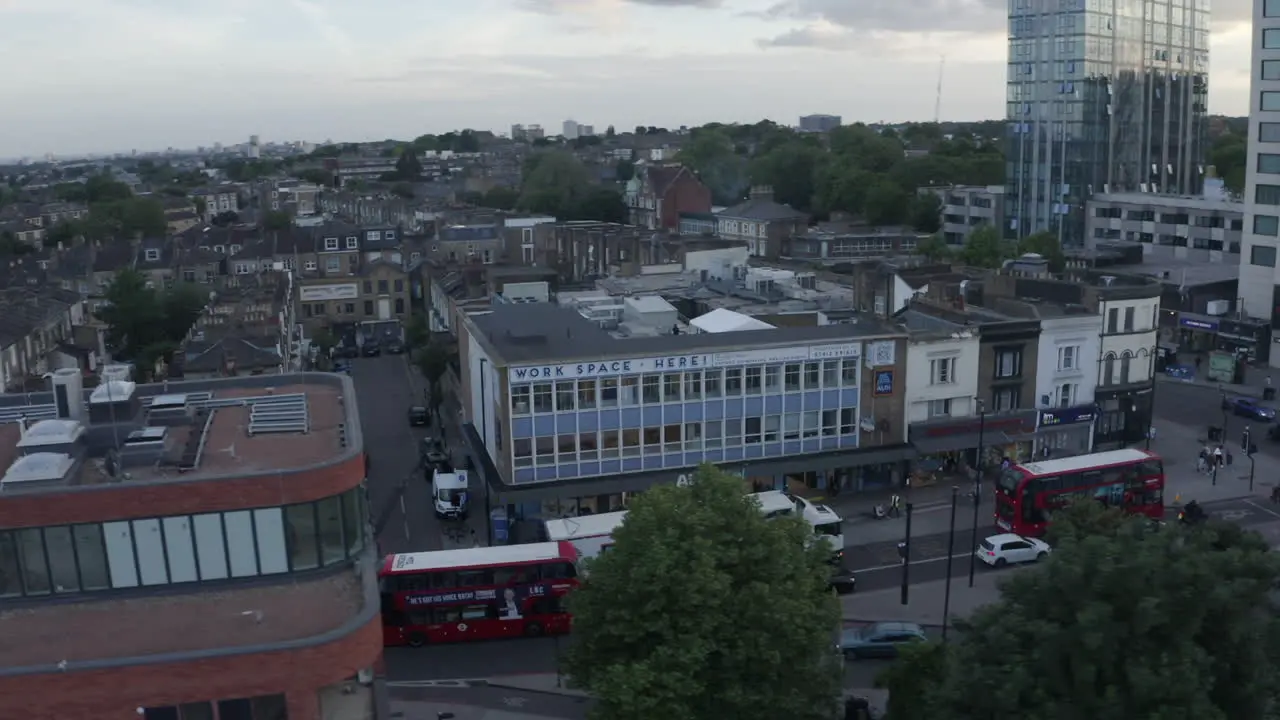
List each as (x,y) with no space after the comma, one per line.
(977,489)
(904,551)
(951,551)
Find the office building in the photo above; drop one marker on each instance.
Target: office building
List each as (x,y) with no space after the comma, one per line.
(1170,226)
(570,130)
(819,123)
(1102,101)
(1259,281)
(187,550)
(968,207)
(563,415)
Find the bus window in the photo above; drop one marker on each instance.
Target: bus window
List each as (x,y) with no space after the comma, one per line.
(513,575)
(473,578)
(1151,468)
(1009,480)
(478,612)
(559,571)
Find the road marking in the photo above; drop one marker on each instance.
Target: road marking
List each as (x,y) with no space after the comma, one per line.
(1268,511)
(432,683)
(1232,515)
(913,562)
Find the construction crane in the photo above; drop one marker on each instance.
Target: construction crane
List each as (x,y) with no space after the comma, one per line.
(937,100)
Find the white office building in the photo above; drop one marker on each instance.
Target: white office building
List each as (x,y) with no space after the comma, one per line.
(1067,376)
(1258,278)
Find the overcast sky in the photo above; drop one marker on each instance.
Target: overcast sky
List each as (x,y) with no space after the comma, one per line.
(113,75)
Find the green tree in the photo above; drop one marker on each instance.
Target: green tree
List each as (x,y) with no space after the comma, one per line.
(1229,158)
(1121,622)
(924,212)
(790,170)
(985,248)
(318,176)
(1046,245)
(416,333)
(500,197)
(886,203)
(710,154)
(132,313)
(866,148)
(600,204)
(704,610)
(610,133)
(934,248)
(625,170)
(433,361)
(554,181)
(403,190)
(408,167)
(276,220)
(181,306)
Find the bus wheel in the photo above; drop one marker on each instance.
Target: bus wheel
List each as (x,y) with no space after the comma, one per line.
(417,639)
(533,629)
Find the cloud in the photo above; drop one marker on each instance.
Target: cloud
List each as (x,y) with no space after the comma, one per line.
(318,16)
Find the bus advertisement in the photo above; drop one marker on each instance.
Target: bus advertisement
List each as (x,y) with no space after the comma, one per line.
(477,593)
(1026,495)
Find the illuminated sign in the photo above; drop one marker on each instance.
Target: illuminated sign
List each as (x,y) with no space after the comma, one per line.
(676,363)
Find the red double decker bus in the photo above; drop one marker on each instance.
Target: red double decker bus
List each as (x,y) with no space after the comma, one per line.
(477,593)
(1027,495)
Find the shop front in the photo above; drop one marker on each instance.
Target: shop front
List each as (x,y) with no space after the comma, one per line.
(1197,333)
(1124,416)
(1063,432)
(949,448)
(1248,338)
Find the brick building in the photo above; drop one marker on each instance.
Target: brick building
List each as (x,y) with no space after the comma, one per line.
(193,550)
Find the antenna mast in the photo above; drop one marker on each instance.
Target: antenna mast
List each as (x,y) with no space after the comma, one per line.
(937,99)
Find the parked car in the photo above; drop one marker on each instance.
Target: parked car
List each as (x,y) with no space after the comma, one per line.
(370,349)
(419,417)
(394,346)
(345,351)
(1249,407)
(434,454)
(1000,550)
(880,640)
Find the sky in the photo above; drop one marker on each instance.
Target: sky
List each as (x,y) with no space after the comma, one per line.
(116,75)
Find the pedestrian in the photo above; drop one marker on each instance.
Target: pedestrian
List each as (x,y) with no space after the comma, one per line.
(1198,364)
(1202,461)
(1217,457)
(895,502)
(475,541)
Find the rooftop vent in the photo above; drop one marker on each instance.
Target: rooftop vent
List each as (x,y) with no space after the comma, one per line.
(37,468)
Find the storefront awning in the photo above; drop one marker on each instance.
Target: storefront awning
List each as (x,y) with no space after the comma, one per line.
(952,443)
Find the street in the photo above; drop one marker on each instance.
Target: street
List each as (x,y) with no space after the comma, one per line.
(1197,407)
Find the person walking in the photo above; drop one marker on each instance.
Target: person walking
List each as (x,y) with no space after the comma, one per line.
(895,505)
(1202,461)
(1217,457)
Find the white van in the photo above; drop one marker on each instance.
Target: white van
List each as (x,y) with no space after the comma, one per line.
(590,535)
(826,523)
(450,494)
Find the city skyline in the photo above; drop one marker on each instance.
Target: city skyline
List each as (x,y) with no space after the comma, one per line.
(316,69)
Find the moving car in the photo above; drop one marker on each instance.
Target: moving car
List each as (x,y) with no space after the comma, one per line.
(843,581)
(419,417)
(880,640)
(1248,407)
(370,349)
(1000,550)
(393,345)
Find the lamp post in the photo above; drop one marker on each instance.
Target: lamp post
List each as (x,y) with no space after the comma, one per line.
(904,551)
(977,489)
(951,551)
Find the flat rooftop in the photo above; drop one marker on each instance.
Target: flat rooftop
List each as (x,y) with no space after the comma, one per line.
(153,625)
(225,438)
(1182,272)
(1170,202)
(545,333)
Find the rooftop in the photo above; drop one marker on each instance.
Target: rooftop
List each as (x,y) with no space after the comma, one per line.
(233,427)
(51,633)
(1181,272)
(542,332)
(1171,202)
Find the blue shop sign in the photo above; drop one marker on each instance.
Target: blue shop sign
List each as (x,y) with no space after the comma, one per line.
(884,382)
(1068,416)
(1195,324)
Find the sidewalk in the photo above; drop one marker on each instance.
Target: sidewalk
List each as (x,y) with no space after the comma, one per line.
(537,682)
(1179,446)
(1255,379)
(926,599)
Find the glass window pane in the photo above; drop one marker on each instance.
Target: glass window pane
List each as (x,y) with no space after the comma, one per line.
(179,549)
(240,550)
(196,711)
(1267,194)
(1271,38)
(10,582)
(62,558)
(1262,255)
(1266,225)
(35,576)
(300,532)
(268,707)
(1271,8)
(1271,69)
(91,553)
(1270,101)
(1269,162)
(268,525)
(1269,132)
(163,713)
(210,550)
(352,521)
(331,547)
(149,544)
(235,710)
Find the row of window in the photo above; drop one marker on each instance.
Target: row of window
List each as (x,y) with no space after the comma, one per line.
(91,557)
(683,437)
(341,308)
(1199,243)
(266,707)
(632,390)
(485,577)
(1169,218)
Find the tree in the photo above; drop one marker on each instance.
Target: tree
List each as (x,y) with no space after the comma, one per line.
(433,361)
(790,170)
(886,204)
(625,170)
(500,197)
(703,609)
(610,133)
(408,167)
(403,190)
(1046,245)
(554,181)
(1122,621)
(934,248)
(1228,156)
(599,204)
(318,176)
(132,313)
(416,333)
(985,248)
(925,212)
(276,220)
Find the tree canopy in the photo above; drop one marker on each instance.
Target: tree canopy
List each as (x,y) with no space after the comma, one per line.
(1123,622)
(703,610)
(557,183)
(144,324)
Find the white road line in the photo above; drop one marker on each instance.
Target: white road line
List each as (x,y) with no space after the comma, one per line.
(406,529)
(403,512)
(913,562)
(1266,510)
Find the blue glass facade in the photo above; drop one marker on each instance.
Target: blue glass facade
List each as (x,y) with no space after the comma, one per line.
(672,415)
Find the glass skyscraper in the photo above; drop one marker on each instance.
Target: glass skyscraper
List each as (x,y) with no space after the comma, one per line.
(1103,96)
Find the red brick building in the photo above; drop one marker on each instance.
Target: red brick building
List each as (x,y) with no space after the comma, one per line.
(659,193)
(197,551)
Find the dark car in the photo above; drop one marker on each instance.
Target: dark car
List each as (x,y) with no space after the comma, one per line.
(843,581)
(880,640)
(371,349)
(394,346)
(419,417)
(346,351)
(434,454)
(1249,407)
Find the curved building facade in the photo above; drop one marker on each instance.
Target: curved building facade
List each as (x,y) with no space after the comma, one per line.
(192,551)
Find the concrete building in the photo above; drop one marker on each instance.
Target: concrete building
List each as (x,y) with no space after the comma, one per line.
(1259,280)
(1101,100)
(1066,380)
(571,130)
(563,415)
(819,123)
(1193,228)
(201,546)
(966,207)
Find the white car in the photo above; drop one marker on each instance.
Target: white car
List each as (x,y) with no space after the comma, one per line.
(1001,550)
